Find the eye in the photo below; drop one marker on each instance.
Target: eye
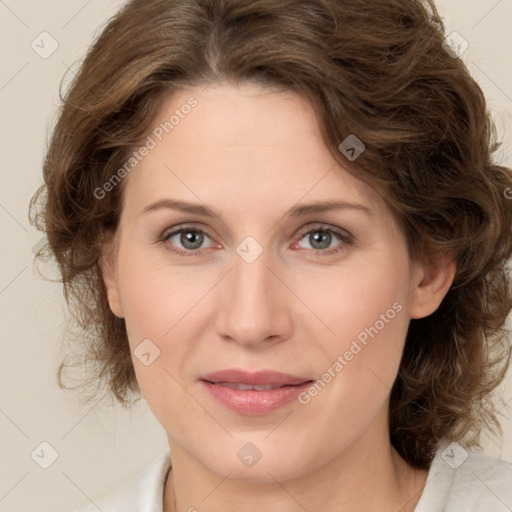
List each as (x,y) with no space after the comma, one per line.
(320,239)
(188,238)
(188,241)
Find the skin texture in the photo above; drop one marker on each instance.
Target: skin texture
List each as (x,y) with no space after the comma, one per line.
(251,154)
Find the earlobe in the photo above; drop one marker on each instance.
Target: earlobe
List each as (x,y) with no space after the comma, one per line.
(433,284)
(108,271)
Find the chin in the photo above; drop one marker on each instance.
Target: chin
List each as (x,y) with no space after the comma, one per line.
(257,462)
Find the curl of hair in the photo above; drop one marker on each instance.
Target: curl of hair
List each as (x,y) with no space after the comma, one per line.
(373,68)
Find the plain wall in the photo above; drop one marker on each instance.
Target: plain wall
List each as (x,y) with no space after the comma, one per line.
(99,448)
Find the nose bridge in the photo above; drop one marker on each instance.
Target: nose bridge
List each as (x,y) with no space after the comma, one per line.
(253,309)
(250,280)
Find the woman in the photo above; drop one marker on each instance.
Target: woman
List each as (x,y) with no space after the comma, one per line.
(280,223)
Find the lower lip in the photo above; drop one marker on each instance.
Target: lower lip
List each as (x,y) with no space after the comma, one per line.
(255,402)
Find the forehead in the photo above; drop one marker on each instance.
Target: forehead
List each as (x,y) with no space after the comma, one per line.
(249,142)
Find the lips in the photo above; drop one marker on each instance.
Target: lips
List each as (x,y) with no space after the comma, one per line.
(253,393)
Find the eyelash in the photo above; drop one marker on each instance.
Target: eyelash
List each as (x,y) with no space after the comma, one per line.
(344,237)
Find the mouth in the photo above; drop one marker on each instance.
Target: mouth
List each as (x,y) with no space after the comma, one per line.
(254,393)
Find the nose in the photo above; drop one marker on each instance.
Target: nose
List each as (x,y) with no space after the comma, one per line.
(254,305)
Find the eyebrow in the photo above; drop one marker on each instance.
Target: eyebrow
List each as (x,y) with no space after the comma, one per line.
(296,211)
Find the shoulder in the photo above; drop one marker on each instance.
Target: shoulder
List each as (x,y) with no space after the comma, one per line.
(142,493)
(461,479)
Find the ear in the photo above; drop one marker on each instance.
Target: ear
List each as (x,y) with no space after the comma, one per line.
(108,267)
(432,282)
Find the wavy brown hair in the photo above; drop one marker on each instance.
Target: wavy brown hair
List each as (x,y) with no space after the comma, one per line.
(373,68)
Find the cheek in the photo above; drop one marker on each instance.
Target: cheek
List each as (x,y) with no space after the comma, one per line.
(365,308)
(155,296)
(354,298)
(164,315)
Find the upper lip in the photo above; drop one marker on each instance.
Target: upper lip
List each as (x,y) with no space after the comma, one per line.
(257,378)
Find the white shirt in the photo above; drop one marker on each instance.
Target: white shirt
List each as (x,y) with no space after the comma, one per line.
(458,481)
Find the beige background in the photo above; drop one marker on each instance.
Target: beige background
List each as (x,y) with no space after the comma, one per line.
(99,448)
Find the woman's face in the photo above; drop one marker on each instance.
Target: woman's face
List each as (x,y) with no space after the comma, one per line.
(267,282)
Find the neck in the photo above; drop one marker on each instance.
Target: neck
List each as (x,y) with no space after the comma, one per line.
(366,476)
